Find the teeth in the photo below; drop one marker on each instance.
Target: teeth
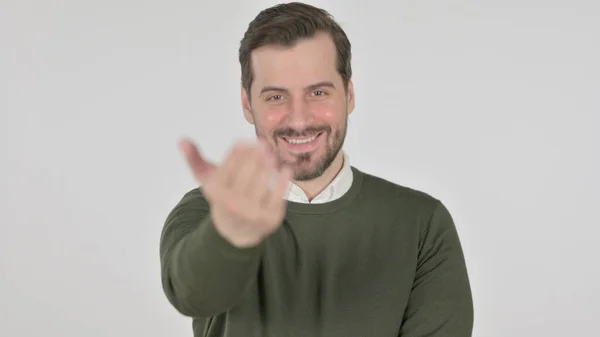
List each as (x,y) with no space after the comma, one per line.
(301,141)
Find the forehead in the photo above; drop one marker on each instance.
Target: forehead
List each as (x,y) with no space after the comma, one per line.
(308,61)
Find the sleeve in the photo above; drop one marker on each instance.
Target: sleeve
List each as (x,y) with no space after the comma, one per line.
(202,274)
(440,303)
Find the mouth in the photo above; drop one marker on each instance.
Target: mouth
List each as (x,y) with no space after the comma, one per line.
(302,144)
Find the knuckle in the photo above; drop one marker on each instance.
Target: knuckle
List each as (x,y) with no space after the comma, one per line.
(254,215)
(264,218)
(232,205)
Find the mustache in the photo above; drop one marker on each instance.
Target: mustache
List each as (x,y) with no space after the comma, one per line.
(290,132)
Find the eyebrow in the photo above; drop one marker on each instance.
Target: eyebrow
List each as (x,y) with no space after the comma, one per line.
(308,88)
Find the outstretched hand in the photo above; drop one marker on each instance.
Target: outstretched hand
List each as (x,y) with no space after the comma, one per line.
(201,168)
(246,193)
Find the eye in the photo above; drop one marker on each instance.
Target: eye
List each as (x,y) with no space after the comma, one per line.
(275,98)
(318,93)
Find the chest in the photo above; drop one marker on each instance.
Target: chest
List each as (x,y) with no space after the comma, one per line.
(316,278)
(314,263)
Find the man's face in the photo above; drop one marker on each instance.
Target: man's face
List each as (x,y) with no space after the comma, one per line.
(299,105)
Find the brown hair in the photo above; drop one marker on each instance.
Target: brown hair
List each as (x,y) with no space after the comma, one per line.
(285,24)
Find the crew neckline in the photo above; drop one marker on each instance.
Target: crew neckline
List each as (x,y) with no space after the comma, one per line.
(333,205)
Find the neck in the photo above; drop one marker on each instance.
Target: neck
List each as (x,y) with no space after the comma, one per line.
(312,188)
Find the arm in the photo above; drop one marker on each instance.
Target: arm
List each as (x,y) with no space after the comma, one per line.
(440,303)
(202,273)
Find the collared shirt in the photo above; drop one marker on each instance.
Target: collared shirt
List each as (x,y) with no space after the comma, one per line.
(338,187)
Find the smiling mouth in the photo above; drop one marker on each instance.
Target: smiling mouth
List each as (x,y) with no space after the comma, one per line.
(305,140)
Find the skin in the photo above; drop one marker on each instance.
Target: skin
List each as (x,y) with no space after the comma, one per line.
(297,91)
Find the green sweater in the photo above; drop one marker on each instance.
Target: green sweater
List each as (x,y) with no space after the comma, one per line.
(381,261)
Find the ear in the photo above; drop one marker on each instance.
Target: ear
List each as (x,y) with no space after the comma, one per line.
(246,106)
(350,97)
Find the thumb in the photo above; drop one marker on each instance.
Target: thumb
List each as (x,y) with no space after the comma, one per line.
(201,168)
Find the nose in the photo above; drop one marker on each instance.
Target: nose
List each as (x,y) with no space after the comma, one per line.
(299,116)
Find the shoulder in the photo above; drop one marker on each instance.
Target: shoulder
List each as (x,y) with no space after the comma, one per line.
(411,207)
(193,195)
(191,202)
(385,191)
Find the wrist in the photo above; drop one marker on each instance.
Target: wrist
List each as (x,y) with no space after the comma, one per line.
(243,242)
(239,239)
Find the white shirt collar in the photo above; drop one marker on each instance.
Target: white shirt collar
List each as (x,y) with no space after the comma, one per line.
(338,187)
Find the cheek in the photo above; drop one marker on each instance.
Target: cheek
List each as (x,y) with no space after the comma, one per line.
(330,113)
(269,119)
(272,118)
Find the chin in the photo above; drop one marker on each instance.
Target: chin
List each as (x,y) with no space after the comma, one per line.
(305,175)
(308,167)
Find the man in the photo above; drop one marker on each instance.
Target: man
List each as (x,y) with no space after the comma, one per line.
(285,237)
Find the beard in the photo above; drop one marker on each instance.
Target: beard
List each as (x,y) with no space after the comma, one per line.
(303,169)
(307,166)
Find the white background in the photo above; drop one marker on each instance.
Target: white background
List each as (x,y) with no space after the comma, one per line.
(491,106)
